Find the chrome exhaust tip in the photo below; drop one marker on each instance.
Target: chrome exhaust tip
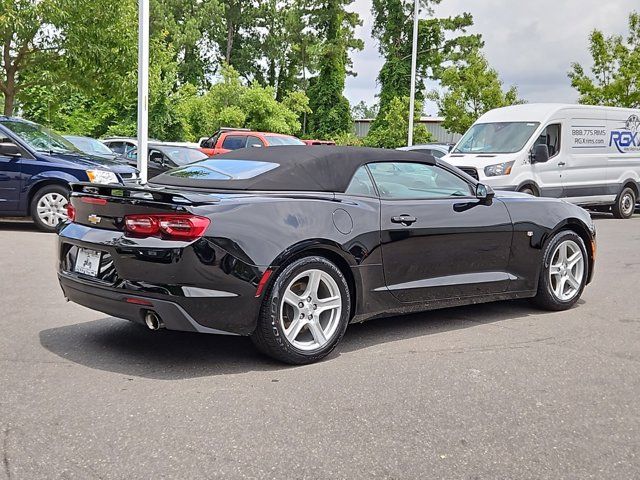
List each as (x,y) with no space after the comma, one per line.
(153,321)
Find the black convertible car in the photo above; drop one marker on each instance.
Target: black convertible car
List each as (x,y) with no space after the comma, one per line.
(288,245)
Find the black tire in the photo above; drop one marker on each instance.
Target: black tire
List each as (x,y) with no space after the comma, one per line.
(269,336)
(546,299)
(40,222)
(528,189)
(625,204)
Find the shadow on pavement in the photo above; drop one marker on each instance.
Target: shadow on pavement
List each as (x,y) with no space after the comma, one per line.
(18,225)
(122,347)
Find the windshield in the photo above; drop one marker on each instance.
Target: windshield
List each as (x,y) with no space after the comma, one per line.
(90,145)
(275,140)
(184,155)
(499,137)
(40,138)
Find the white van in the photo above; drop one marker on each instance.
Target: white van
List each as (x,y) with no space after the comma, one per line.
(587,155)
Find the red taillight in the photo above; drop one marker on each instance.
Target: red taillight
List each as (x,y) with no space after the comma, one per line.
(71,212)
(173,227)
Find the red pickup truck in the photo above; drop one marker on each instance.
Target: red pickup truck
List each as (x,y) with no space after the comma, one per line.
(225,141)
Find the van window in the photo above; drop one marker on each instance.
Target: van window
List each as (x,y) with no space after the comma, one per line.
(550,137)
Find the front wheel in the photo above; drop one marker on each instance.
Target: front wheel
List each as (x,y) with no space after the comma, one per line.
(305,313)
(625,204)
(49,207)
(564,272)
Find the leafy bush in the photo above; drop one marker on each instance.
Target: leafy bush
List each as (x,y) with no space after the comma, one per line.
(391,130)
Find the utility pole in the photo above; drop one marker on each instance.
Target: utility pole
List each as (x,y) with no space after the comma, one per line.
(143,88)
(414,62)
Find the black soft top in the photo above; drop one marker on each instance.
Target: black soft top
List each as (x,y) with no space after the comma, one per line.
(282,168)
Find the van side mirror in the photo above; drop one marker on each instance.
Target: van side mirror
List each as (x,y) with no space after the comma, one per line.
(10,150)
(540,154)
(484,192)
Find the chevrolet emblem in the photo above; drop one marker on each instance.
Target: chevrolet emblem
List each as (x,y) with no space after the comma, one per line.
(94,219)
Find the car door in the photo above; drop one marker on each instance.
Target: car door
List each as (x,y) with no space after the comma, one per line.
(10,174)
(549,175)
(438,240)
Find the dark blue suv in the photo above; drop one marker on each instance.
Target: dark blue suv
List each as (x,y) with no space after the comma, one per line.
(37,166)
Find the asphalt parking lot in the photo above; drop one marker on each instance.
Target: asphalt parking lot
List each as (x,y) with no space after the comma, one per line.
(491,391)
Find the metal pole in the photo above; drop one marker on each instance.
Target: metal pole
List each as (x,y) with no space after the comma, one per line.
(143,87)
(414,61)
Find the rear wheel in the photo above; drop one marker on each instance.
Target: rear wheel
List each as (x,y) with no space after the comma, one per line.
(625,203)
(564,272)
(305,313)
(49,207)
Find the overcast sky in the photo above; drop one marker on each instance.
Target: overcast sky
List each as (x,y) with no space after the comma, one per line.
(531,43)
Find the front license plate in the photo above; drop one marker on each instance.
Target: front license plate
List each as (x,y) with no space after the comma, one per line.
(87,262)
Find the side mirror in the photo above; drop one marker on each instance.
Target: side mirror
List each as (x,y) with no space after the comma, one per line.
(484,192)
(540,154)
(10,150)
(206,143)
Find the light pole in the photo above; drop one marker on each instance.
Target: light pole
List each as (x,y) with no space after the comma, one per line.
(414,61)
(143,87)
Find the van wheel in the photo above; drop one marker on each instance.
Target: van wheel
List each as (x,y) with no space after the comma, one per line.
(528,189)
(49,207)
(625,203)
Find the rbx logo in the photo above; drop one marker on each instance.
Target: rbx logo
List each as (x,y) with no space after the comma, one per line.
(627,140)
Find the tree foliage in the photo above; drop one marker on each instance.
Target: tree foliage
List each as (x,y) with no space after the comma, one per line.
(331,111)
(440,40)
(471,88)
(393,129)
(615,75)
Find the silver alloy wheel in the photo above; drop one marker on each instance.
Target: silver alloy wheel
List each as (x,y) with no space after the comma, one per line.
(310,310)
(52,209)
(566,271)
(627,204)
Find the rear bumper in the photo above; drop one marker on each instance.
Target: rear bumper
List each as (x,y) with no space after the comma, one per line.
(134,307)
(195,287)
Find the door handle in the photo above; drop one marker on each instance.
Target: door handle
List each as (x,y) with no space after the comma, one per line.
(405,220)
(561,164)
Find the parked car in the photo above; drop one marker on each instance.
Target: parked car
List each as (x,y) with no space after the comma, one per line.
(319,142)
(165,156)
(289,245)
(91,146)
(587,155)
(438,150)
(36,167)
(228,140)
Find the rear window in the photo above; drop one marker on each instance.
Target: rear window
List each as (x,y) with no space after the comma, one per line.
(223,170)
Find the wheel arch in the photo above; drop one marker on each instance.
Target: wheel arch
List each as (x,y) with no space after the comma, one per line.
(40,184)
(633,185)
(332,252)
(578,227)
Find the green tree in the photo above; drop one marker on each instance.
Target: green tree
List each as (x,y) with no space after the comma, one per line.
(395,125)
(29,35)
(331,113)
(190,28)
(440,40)
(361,110)
(615,74)
(471,88)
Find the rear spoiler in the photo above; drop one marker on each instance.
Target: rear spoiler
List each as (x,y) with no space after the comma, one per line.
(142,193)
